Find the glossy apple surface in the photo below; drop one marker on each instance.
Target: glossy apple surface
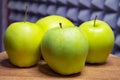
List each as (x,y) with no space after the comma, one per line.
(22,43)
(65,50)
(101,40)
(52,21)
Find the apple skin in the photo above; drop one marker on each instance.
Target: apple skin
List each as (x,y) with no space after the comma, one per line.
(53,21)
(22,43)
(100,38)
(65,50)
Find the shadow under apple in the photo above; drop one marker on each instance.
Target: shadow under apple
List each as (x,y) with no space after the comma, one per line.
(95,64)
(7,63)
(45,69)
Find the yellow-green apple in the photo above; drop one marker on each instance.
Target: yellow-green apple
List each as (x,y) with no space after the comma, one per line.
(52,21)
(22,43)
(101,40)
(65,49)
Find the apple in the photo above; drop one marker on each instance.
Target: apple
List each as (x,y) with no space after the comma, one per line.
(65,49)
(101,40)
(22,42)
(52,21)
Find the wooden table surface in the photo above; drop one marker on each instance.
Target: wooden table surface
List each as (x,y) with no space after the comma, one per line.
(107,71)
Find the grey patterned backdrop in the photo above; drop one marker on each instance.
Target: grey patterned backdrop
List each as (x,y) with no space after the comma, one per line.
(3,21)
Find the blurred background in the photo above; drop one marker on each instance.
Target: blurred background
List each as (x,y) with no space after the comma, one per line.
(78,11)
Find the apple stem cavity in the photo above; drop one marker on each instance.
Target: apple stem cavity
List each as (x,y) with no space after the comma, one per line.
(26,10)
(60,25)
(95,20)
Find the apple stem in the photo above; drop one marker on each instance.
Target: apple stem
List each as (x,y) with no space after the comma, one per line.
(26,10)
(60,25)
(95,20)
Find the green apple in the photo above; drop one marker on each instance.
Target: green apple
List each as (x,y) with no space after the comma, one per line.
(101,40)
(52,21)
(22,43)
(65,50)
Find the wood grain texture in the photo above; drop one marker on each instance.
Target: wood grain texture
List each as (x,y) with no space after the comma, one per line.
(107,71)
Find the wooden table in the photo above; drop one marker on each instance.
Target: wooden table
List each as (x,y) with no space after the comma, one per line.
(107,71)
